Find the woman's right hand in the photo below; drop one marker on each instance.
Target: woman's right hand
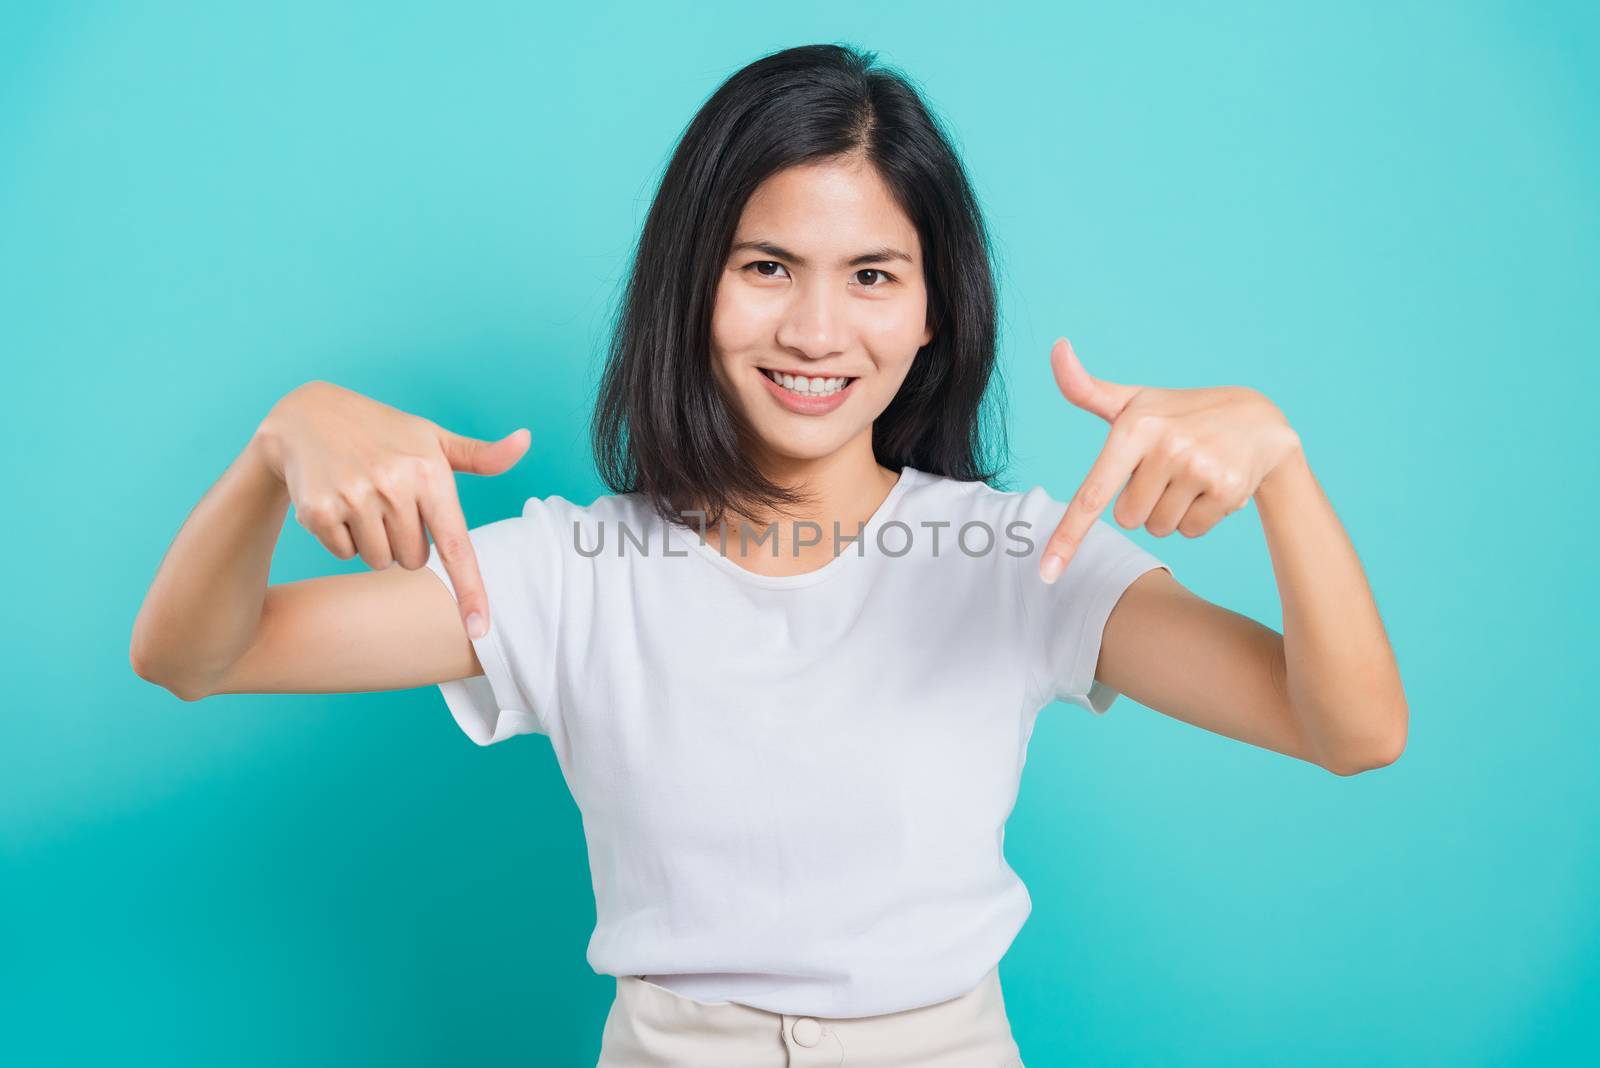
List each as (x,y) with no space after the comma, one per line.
(367,478)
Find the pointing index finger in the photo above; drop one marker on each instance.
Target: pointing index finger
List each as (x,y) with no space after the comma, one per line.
(1111,470)
(441,512)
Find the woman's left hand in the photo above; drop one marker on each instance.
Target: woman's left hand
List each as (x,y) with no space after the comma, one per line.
(1188,457)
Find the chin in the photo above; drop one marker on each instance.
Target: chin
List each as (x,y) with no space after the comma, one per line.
(791,447)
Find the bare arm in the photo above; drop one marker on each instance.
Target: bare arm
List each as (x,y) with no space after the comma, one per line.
(205,602)
(364,478)
(1328,689)
(1341,675)
(1209,666)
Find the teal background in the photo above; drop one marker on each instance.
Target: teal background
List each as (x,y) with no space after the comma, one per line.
(1383,215)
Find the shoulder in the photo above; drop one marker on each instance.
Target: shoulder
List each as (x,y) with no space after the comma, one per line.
(556,522)
(612,507)
(939,497)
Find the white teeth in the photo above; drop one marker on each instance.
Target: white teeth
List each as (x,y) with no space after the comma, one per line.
(809,386)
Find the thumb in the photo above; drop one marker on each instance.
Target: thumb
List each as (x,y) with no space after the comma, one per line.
(476,457)
(1098,395)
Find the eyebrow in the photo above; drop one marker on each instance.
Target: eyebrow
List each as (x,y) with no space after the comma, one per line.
(877,255)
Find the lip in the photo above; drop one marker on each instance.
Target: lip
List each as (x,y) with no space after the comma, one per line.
(806,405)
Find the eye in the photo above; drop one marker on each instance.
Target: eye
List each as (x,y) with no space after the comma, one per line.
(883,276)
(758,264)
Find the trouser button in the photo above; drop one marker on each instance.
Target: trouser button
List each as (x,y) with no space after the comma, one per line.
(806,1031)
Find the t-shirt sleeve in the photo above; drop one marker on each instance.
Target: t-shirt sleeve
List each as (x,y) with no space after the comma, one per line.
(520,565)
(1064,621)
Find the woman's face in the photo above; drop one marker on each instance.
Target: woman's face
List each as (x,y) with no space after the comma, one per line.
(824,280)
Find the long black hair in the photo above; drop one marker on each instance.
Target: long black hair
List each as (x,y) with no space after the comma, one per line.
(662,426)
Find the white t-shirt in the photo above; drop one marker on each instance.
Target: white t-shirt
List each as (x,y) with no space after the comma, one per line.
(794,789)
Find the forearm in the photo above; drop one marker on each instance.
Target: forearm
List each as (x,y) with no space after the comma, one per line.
(1342,681)
(204,605)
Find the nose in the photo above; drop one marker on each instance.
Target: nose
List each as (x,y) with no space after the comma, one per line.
(813,326)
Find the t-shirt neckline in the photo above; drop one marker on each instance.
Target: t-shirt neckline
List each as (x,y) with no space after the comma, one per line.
(848,550)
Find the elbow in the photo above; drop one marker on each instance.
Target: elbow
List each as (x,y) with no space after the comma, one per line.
(1395,744)
(142,668)
(185,693)
(1372,762)
(141,663)
(1375,756)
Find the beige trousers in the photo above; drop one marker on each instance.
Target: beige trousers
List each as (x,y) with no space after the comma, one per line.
(650,1026)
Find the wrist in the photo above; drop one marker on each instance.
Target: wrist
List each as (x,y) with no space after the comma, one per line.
(266,444)
(263,453)
(1287,474)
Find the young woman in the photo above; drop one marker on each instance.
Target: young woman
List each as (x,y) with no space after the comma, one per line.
(791,667)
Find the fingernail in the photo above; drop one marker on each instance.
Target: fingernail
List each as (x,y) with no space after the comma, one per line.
(1052,567)
(476,627)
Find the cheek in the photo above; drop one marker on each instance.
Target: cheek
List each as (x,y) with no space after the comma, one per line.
(736,323)
(899,335)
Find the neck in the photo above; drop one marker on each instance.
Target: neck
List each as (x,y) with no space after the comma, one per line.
(844,487)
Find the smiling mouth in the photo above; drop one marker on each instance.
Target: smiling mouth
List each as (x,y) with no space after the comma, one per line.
(808,386)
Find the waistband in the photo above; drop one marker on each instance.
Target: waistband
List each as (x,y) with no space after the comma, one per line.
(650,1026)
